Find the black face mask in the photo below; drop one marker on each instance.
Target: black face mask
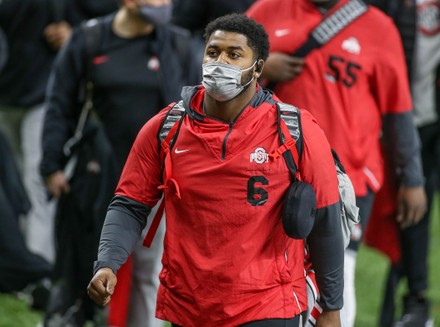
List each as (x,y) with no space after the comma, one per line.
(156,15)
(299,210)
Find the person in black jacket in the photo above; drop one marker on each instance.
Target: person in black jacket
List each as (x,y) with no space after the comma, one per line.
(69,13)
(19,267)
(22,86)
(137,63)
(418,22)
(34,30)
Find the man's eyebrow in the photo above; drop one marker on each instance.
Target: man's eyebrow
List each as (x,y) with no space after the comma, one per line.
(215,46)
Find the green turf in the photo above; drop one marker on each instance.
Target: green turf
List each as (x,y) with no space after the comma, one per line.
(371,272)
(15,313)
(370,277)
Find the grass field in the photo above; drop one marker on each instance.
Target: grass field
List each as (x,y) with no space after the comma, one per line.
(371,272)
(370,277)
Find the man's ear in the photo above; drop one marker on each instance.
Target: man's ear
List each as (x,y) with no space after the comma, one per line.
(259,69)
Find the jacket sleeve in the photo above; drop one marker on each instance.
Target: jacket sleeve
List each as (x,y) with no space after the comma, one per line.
(122,228)
(403,144)
(62,102)
(392,93)
(136,194)
(325,242)
(327,255)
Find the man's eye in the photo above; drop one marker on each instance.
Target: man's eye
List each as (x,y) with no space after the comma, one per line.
(234,55)
(212,53)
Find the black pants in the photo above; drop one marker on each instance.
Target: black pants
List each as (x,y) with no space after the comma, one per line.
(292,322)
(414,239)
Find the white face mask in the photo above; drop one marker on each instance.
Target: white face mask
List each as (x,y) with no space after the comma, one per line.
(222,81)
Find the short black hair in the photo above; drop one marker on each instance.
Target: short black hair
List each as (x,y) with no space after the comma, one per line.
(241,24)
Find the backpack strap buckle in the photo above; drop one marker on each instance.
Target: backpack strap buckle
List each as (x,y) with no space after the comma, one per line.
(286,146)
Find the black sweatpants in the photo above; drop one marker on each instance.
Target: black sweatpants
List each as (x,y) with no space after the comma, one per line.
(414,240)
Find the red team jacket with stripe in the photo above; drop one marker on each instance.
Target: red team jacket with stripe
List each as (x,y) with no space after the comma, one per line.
(227,259)
(348,85)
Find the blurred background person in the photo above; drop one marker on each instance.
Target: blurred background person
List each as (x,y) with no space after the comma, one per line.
(19,267)
(137,63)
(354,82)
(35,30)
(21,271)
(22,86)
(418,22)
(66,14)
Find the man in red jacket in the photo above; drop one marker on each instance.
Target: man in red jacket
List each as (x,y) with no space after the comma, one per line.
(355,85)
(227,259)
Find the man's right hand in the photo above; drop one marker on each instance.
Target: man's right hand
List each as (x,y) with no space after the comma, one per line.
(57,184)
(280,67)
(102,286)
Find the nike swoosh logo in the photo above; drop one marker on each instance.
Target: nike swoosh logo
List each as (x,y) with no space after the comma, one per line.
(280,33)
(176,150)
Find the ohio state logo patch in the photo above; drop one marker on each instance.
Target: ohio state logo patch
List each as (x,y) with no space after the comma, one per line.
(154,64)
(428,16)
(260,156)
(351,45)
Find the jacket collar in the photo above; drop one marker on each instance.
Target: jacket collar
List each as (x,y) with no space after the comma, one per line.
(192,97)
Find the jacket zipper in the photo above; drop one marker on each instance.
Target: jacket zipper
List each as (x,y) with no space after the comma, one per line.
(226,141)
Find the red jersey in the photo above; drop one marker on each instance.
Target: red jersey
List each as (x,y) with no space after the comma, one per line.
(348,85)
(227,259)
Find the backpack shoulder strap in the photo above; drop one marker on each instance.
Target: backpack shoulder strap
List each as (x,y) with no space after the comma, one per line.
(166,136)
(170,127)
(290,133)
(92,30)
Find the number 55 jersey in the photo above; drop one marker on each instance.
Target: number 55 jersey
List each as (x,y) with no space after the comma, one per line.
(350,84)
